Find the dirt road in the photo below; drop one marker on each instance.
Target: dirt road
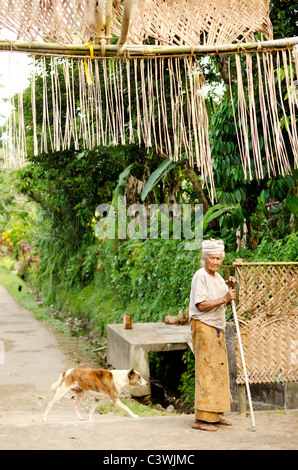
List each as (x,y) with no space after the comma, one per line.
(34,357)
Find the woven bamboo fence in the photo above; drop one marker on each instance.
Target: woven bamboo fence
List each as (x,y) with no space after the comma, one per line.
(268,318)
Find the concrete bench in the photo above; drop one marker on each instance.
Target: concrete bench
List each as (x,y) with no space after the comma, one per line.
(128,349)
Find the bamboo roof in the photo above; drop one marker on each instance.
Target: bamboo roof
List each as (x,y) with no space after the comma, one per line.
(171,22)
(154,45)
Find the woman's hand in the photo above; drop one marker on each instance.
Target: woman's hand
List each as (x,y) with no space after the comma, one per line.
(230,295)
(232,281)
(208,305)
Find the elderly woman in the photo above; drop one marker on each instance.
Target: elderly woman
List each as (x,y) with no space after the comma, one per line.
(208,299)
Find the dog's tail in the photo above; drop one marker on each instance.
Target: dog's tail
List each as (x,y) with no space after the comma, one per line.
(56,384)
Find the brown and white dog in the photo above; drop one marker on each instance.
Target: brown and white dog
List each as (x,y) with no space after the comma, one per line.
(99,383)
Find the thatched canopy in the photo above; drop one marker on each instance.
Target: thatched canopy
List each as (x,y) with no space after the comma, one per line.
(178,22)
(155,43)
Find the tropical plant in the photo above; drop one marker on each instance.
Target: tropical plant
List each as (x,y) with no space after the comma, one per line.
(158,174)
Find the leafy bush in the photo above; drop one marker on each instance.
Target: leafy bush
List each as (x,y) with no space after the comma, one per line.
(277,250)
(152,277)
(281,250)
(187,384)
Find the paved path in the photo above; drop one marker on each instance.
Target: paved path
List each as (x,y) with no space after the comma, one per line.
(34,357)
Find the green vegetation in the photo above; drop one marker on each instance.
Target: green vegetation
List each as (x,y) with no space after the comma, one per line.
(23,295)
(48,221)
(138,408)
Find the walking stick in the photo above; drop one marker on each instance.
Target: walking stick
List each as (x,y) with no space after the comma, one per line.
(232,285)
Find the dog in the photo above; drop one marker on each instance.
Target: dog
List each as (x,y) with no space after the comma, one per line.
(99,383)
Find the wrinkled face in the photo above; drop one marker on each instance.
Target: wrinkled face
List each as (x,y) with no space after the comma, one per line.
(212,263)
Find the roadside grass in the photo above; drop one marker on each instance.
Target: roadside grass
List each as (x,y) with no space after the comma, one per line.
(136,407)
(95,304)
(25,298)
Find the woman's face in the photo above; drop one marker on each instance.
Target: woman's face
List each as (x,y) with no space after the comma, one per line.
(212,263)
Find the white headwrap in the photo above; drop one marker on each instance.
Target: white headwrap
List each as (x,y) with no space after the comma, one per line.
(213,247)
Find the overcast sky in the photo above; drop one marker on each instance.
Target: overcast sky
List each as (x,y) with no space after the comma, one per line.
(14,72)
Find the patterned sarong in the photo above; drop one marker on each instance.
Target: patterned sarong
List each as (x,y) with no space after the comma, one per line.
(212,390)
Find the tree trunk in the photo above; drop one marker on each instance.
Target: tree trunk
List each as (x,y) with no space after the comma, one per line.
(223,68)
(252,241)
(189,171)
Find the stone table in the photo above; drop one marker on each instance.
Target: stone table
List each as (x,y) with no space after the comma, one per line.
(128,349)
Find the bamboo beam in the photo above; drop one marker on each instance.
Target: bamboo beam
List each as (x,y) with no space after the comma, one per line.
(141,50)
(266,263)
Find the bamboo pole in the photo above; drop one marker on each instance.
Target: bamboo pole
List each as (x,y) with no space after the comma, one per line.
(141,50)
(100,24)
(232,286)
(125,21)
(244,366)
(109,7)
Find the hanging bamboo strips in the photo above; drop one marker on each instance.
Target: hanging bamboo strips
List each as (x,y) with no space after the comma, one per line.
(160,102)
(124,101)
(276,98)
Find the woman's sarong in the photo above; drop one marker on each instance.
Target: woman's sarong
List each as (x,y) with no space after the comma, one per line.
(212,385)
